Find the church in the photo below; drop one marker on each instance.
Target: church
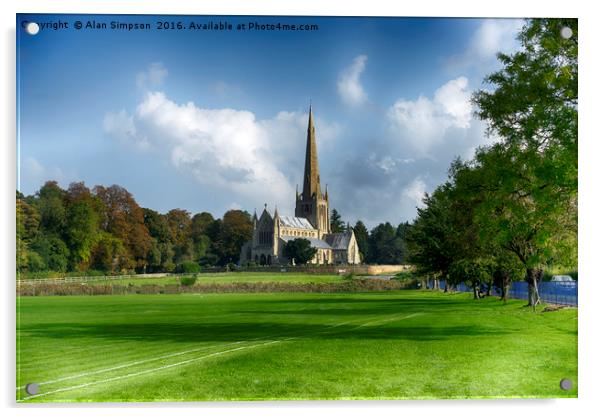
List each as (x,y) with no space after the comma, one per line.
(311,221)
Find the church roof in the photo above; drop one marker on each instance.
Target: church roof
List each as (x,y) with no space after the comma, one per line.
(338,241)
(296,222)
(315,242)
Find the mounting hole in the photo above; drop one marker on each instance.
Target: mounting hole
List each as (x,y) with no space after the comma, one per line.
(32,28)
(566,384)
(32,388)
(566,32)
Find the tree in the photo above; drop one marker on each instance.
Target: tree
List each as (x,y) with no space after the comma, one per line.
(157,225)
(474,272)
(236,229)
(51,206)
(430,246)
(200,224)
(81,224)
(361,236)
(384,246)
(200,228)
(53,252)
(179,226)
(27,224)
(336,223)
(530,177)
(122,217)
(161,254)
(299,250)
(109,254)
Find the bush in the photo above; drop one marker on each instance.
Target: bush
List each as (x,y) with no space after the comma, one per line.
(348,276)
(188,280)
(188,267)
(404,275)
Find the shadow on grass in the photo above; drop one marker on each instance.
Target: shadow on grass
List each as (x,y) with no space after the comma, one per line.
(202,332)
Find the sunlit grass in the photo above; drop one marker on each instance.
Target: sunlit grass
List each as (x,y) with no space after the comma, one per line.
(385,345)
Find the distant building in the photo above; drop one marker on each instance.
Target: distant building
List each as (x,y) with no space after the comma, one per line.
(311,221)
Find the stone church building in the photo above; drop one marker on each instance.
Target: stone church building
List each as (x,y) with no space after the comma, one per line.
(311,221)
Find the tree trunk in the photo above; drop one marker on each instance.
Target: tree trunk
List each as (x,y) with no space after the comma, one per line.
(475,292)
(533,275)
(504,290)
(489,288)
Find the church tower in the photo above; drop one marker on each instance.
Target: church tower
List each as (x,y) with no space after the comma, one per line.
(311,203)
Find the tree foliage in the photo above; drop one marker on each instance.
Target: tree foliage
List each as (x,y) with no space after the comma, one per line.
(336,222)
(299,250)
(512,209)
(105,229)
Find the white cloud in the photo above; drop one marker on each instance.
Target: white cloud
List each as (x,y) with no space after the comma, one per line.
(415,191)
(425,122)
(454,99)
(224,149)
(495,35)
(349,87)
(387,164)
(33,174)
(491,37)
(152,77)
(121,125)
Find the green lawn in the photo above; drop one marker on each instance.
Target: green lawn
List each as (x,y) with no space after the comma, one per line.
(249,277)
(381,345)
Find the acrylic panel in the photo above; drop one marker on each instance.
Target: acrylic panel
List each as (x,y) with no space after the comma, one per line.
(235,208)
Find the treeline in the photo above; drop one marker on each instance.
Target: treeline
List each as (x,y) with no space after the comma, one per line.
(385,244)
(104,229)
(511,211)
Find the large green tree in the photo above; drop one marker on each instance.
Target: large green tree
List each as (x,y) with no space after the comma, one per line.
(299,250)
(429,240)
(122,217)
(385,246)
(81,224)
(236,229)
(530,176)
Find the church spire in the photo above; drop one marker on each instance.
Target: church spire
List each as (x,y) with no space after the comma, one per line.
(311,179)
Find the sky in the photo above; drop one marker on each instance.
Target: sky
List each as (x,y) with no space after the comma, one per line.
(211,120)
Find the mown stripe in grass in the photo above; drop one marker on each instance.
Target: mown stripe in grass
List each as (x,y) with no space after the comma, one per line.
(371,322)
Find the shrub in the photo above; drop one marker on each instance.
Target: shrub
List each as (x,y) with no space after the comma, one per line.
(348,276)
(188,267)
(404,275)
(188,280)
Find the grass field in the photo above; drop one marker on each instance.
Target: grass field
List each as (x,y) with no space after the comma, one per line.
(382,345)
(249,277)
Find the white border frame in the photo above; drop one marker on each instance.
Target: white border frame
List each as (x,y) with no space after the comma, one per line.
(590,137)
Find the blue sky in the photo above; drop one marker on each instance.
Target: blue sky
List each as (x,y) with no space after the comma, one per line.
(212,120)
